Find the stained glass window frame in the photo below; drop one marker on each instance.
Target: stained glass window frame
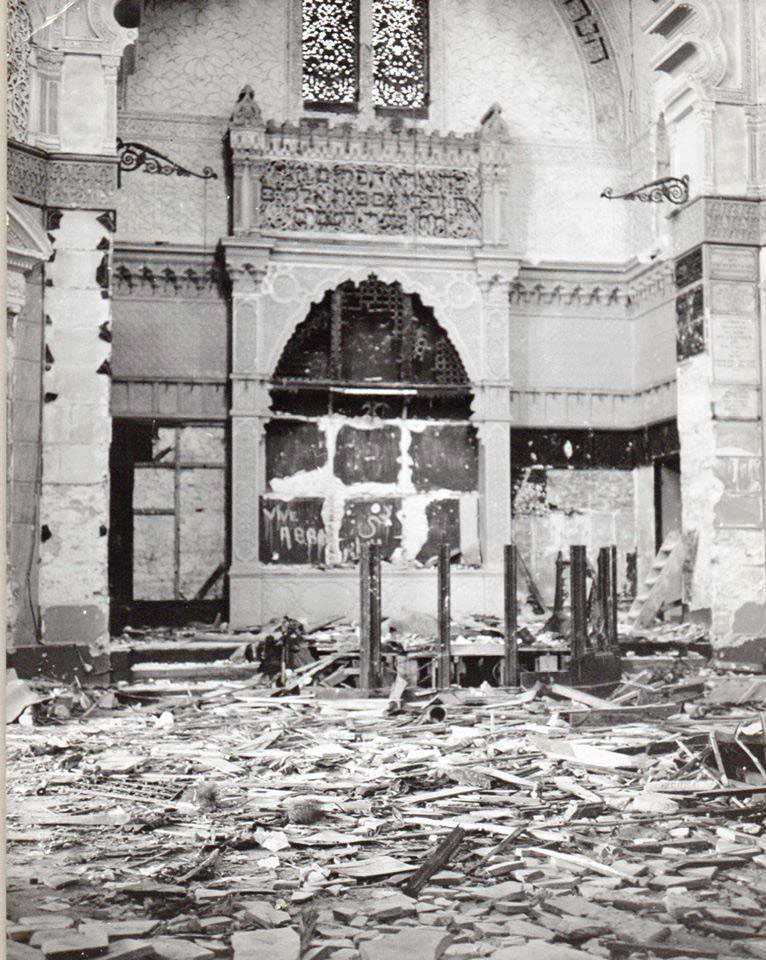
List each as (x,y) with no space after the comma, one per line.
(335,106)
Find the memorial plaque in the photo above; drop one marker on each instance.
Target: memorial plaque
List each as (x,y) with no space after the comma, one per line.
(733,298)
(735,402)
(735,349)
(733,263)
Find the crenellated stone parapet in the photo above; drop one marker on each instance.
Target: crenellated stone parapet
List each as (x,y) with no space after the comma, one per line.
(314,177)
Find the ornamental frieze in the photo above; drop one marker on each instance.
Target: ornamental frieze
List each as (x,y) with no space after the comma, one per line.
(72,182)
(370,199)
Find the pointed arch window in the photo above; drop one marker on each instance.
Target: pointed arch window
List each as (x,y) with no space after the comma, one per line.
(337,67)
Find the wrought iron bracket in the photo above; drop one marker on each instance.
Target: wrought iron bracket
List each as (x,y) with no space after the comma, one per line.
(673,189)
(133,156)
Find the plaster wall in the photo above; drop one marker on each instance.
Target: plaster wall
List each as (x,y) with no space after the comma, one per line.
(596,508)
(538,360)
(654,346)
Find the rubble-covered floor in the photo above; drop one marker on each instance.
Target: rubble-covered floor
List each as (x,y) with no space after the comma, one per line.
(629,828)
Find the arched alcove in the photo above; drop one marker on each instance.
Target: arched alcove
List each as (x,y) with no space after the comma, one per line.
(370,438)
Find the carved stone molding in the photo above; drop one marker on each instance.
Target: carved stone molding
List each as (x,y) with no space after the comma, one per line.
(61,180)
(27,174)
(569,294)
(600,409)
(26,246)
(246,265)
(143,272)
(312,177)
(597,55)
(718,220)
(83,183)
(699,37)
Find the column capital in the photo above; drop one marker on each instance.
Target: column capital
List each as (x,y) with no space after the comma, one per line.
(246,265)
(495,274)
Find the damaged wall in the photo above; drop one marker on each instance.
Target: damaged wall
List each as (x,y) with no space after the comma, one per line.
(337,482)
(591,487)
(76,430)
(719,418)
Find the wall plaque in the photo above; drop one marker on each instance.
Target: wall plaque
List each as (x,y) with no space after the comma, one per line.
(735,349)
(733,263)
(735,402)
(733,298)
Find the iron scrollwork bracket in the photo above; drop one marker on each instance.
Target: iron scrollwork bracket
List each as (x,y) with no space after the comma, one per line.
(673,189)
(133,156)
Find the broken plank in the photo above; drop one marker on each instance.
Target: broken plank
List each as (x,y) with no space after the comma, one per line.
(436,860)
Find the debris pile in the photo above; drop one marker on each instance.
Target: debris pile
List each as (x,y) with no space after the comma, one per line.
(463,823)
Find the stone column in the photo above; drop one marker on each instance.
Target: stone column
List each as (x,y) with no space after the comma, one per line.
(81,183)
(246,265)
(720,422)
(493,413)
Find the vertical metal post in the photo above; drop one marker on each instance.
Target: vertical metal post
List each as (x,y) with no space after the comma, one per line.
(612,623)
(369,618)
(578,595)
(445,617)
(603,596)
(558,599)
(510,650)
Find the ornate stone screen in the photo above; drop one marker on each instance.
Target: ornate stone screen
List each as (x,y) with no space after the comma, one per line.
(400,51)
(330,52)
(19,30)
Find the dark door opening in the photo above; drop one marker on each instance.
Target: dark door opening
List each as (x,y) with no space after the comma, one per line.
(667,497)
(167,555)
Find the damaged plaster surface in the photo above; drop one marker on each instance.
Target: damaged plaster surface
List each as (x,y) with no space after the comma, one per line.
(397,497)
(76,434)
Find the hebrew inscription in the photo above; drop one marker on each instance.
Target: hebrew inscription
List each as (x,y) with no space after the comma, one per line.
(366,198)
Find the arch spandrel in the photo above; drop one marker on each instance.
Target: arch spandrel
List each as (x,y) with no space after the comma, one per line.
(461,315)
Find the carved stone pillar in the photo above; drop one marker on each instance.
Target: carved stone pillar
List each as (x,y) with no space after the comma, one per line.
(247,267)
(495,178)
(707,119)
(247,139)
(493,412)
(754,123)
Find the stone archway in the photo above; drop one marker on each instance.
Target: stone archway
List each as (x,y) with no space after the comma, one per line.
(369,439)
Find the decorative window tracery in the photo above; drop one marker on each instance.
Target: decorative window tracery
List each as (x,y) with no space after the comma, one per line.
(331,52)
(400,51)
(373,332)
(19,27)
